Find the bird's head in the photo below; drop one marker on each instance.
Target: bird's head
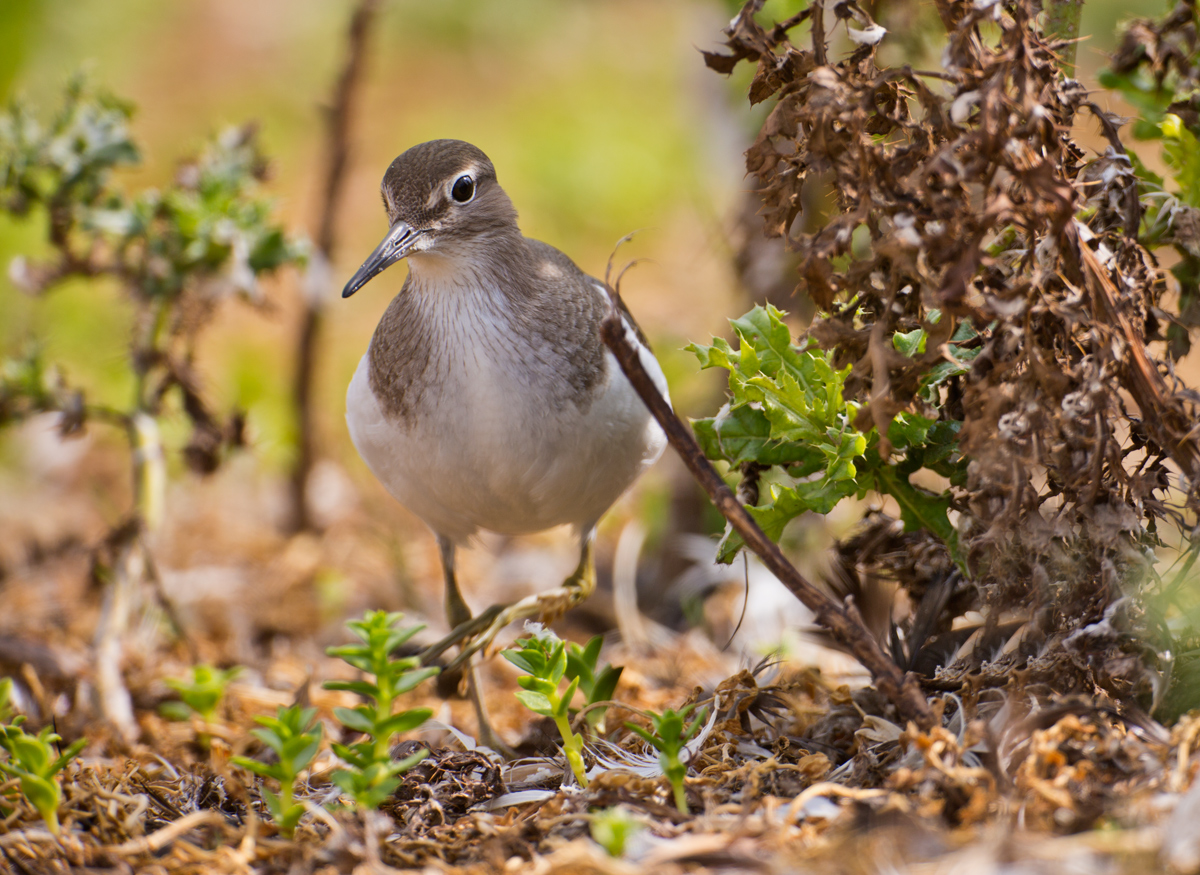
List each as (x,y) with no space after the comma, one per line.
(441,199)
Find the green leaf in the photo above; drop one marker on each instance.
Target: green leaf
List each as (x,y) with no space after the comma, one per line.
(254,766)
(205,689)
(921,509)
(719,355)
(649,737)
(557,663)
(697,721)
(1181,151)
(908,430)
(521,659)
(611,828)
(538,685)
(606,684)
(581,662)
(72,751)
(743,434)
(411,760)
(301,751)
(1143,92)
(359,719)
(403,722)
(176,711)
(410,679)
(268,737)
(536,702)
(784,504)
(362,688)
(565,702)
(354,654)
(910,343)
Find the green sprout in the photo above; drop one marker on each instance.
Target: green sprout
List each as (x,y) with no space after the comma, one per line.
(201,695)
(295,738)
(612,828)
(597,686)
(668,738)
(33,762)
(373,775)
(544,656)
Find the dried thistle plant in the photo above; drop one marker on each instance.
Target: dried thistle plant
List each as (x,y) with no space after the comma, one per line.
(981,272)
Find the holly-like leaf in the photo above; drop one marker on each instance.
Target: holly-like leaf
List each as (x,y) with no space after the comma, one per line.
(787,410)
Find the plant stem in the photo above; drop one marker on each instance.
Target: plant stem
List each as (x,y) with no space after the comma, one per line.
(572,747)
(680,796)
(338,130)
(149,470)
(115,702)
(1062,23)
(383,710)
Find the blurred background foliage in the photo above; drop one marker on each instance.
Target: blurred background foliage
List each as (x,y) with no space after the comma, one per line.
(599,116)
(588,110)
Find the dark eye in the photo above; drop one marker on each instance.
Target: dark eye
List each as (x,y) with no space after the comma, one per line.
(463,190)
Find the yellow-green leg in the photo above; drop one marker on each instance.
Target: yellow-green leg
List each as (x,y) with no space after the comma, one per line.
(458,614)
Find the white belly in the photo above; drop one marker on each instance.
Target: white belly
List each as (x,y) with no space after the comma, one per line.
(488,455)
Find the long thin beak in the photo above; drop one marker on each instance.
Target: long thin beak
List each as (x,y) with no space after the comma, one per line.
(394,247)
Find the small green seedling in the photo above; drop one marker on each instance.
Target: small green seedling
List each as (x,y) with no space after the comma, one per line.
(32,760)
(373,775)
(668,738)
(295,738)
(612,828)
(544,656)
(201,695)
(598,686)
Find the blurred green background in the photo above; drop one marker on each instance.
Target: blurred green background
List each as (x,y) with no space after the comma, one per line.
(599,116)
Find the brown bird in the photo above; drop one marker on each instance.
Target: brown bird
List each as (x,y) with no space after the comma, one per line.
(486,398)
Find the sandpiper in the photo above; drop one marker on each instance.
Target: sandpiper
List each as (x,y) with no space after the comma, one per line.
(486,398)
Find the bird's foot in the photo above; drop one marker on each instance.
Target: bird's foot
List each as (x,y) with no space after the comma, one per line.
(462,632)
(544,606)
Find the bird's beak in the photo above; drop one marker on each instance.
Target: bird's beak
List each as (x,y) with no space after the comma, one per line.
(394,247)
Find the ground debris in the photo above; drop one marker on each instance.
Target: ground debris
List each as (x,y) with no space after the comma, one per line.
(789,771)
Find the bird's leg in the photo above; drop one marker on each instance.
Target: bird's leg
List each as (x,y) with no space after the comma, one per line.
(546,606)
(457,613)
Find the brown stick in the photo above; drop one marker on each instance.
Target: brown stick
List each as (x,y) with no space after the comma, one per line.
(841,620)
(1169,424)
(818,34)
(338,129)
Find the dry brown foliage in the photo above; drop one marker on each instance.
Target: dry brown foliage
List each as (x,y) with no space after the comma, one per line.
(961,196)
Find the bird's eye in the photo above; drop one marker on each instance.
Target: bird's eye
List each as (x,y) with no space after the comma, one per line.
(463,190)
